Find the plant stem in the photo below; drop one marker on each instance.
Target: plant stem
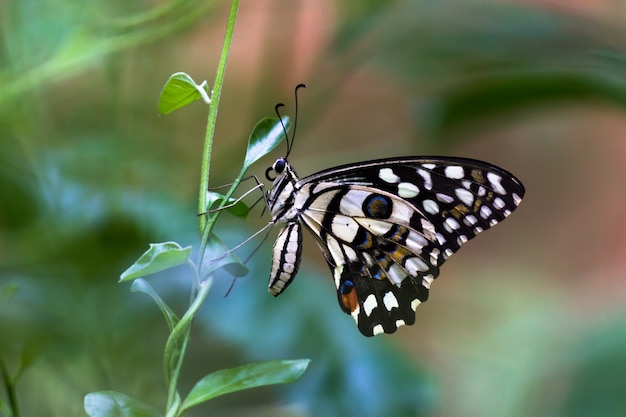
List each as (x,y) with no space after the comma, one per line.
(177,344)
(212,120)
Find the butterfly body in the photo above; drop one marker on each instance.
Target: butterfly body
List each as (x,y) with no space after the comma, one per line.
(385,227)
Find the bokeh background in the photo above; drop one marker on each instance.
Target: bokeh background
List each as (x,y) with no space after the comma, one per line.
(526,320)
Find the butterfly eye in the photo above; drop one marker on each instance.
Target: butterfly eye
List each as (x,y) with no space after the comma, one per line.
(279,165)
(278,168)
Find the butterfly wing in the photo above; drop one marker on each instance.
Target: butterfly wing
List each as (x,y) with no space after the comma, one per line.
(386,227)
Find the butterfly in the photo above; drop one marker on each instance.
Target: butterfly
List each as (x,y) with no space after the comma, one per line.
(385,227)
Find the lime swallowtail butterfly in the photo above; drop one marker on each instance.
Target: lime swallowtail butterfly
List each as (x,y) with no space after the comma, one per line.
(385,226)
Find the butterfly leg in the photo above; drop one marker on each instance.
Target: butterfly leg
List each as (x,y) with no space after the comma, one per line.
(260,186)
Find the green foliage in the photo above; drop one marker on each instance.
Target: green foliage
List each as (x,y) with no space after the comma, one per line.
(265,136)
(179,91)
(159,257)
(244,377)
(116,404)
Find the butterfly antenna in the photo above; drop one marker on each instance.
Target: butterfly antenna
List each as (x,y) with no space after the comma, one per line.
(280,117)
(295,122)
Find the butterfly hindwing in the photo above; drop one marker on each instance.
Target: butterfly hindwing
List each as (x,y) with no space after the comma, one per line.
(377,305)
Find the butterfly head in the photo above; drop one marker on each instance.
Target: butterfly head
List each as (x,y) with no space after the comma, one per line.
(281,195)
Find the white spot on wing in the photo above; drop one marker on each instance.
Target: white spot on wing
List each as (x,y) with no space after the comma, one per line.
(415,265)
(454,172)
(470,220)
(407,190)
(444,198)
(390,301)
(430,206)
(485,212)
(516,199)
(387,175)
(415,242)
(415,303)
(428,182)
(494,180)
(434,256)
(369,304)
(465,196)
(396,274)
(498,203)
(450,224)
(378,329)
(337,274)
(427,281)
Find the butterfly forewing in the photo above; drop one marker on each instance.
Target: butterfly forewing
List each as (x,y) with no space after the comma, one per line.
(386,227)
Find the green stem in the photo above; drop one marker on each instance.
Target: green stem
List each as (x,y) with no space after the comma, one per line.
(210,129)
(176,344)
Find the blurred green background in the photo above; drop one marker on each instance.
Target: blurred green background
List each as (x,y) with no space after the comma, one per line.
(527,320)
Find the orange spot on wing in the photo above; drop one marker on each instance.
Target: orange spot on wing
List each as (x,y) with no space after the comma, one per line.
(350,301)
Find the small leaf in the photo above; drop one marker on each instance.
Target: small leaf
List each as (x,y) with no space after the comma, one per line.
(215,250)
(159,257)
(179,91)
(239,208)
(115,404)
(265,136)
(244,377)
(141,285)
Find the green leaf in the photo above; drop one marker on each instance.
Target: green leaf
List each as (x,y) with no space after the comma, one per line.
(115,404)
(215,250)
(159,257)
(141,285)
(179,91)
(244,377)
(265,136)
(238,208)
